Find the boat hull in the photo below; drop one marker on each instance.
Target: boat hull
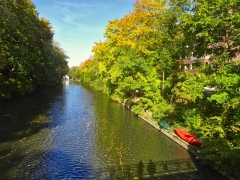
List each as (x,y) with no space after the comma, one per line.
(188,137)
(164,124)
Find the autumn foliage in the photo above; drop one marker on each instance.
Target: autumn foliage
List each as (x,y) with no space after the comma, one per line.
(137,64)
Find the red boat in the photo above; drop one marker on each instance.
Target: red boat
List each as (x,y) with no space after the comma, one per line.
(188,137)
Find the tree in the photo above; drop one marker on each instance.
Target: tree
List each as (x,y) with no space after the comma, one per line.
(214,29)
(27,54)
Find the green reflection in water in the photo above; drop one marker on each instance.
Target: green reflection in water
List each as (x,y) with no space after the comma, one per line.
(73,131)
(123,139)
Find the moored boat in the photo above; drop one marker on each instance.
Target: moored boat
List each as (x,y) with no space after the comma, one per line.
(164,124)
(188,137)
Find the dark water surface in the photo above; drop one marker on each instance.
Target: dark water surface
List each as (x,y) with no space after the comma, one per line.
(72,132)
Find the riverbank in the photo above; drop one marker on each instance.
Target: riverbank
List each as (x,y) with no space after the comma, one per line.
(172,136)
(190,148)
(169,133)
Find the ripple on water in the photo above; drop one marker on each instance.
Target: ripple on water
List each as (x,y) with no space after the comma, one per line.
(88,136)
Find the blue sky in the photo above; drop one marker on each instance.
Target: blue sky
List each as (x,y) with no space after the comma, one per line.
(79,23)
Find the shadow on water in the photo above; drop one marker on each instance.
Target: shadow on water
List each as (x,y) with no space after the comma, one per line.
(183,169)
(35,166)
(32,110)
(21,118)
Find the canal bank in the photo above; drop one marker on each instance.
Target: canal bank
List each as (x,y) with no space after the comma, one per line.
(192,149)
(175,138)
(170,134)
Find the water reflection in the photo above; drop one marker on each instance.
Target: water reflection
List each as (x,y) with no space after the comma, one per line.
(73,132)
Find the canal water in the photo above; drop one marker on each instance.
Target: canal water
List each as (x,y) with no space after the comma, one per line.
(74,132)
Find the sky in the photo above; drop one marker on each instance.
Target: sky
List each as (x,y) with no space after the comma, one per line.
(77,24)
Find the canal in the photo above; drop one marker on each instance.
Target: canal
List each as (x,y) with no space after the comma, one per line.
(74,132)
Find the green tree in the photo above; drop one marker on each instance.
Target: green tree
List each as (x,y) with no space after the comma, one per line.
(26,50)
(214,29)
(221,130)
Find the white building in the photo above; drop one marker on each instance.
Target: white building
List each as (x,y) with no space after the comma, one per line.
(66,77)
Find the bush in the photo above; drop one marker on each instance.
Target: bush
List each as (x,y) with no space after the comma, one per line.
(138,109)
(192,118)
(161,110)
